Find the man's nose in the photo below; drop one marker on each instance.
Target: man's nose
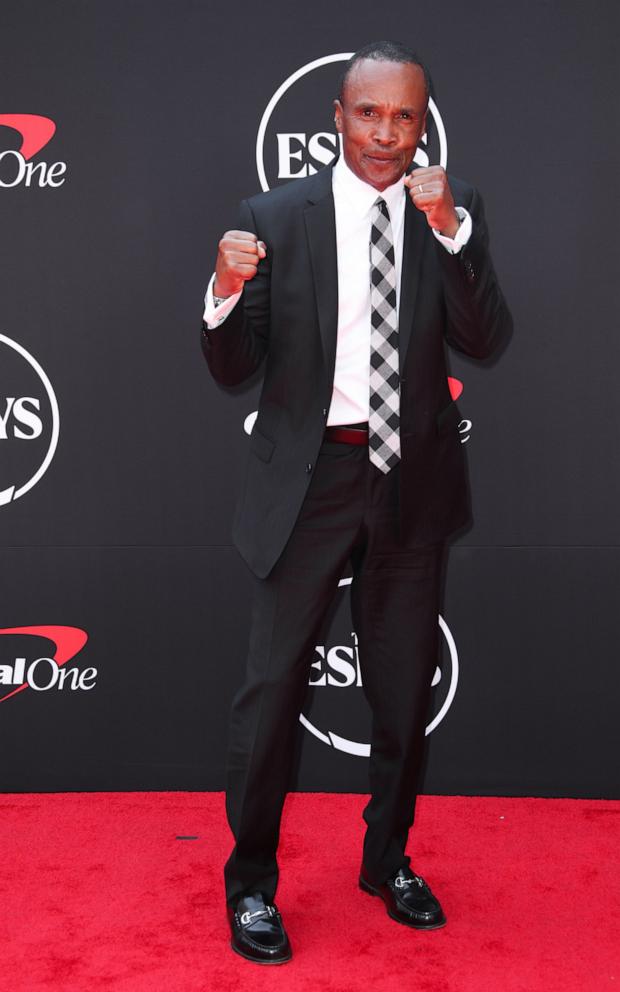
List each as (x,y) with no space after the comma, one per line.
(385,133)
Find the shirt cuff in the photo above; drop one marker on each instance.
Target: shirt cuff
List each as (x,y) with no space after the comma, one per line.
(462,236)
(214,316)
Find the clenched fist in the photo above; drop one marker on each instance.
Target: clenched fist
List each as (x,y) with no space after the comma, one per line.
(430,191)
(238,255)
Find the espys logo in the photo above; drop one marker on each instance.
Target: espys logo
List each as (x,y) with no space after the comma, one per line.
(339,667)
(296,135)
(29,421)
(43,672)
(16,169)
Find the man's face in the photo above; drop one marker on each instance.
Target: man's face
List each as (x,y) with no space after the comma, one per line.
(382,117)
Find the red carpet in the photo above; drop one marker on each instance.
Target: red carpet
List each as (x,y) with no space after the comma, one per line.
(97,893)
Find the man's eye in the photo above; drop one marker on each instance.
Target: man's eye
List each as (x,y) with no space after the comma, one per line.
(367,112)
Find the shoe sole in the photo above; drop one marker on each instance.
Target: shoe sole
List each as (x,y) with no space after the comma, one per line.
(248,957)
(370,889)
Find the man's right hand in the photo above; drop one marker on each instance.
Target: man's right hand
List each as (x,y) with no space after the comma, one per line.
(238,255)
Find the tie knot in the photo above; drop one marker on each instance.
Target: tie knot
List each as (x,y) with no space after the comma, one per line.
(382,207)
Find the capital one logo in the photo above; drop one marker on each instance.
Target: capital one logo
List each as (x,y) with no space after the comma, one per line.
(21,666)
(29,421)
(16,165)
(337,668)
(297,136)
(456,388)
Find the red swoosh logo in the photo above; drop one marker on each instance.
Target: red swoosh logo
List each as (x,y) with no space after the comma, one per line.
(69,641)
(455,386)
(35,131)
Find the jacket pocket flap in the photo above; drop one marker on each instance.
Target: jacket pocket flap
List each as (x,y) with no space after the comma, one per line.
(261,446)
(448,418)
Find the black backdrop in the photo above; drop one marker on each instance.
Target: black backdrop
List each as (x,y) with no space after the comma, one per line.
(126,534)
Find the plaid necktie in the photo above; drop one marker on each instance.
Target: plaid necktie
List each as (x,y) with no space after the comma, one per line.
(383,420)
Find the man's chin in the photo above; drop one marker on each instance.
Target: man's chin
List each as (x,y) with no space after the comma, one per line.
(381,173)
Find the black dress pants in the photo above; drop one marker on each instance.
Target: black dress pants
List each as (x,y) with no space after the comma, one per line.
(350,514)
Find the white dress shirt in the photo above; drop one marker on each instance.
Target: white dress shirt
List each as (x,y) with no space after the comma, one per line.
(353,201)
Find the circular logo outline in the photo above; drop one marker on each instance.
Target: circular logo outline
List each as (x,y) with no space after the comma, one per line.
(11,494)
(304,70)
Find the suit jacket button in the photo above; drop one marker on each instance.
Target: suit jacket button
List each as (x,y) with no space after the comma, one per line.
(325,412)
(309,467)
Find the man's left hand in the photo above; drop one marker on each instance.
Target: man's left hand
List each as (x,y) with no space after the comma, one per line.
(430,191)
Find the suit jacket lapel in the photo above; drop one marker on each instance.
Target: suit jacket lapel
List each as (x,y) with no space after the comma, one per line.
(320,220)
(413,244)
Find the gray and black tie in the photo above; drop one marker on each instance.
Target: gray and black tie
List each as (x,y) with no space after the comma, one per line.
(383,419)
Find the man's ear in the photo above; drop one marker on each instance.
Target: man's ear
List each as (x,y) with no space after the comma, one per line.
(423,131)
(338,116)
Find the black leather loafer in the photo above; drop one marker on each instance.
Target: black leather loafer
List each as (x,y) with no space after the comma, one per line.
(258,933)
(408,898)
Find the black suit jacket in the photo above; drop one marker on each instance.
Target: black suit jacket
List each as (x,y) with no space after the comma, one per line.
(288,317)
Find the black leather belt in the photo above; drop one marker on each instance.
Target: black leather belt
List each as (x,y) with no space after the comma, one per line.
(347,435)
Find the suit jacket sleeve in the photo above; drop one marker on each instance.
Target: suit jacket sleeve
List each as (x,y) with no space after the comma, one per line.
(236,349)
(478,320)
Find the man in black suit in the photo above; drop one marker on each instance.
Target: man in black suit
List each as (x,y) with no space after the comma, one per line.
(348,284)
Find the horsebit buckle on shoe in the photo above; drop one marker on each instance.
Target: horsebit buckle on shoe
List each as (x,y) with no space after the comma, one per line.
(247,916)
(400,882)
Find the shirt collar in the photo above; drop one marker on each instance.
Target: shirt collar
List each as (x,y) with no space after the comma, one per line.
(362,195)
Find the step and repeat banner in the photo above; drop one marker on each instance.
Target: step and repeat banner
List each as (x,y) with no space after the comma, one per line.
(128,134)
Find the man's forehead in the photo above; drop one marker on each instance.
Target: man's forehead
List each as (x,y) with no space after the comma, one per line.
(381,81)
